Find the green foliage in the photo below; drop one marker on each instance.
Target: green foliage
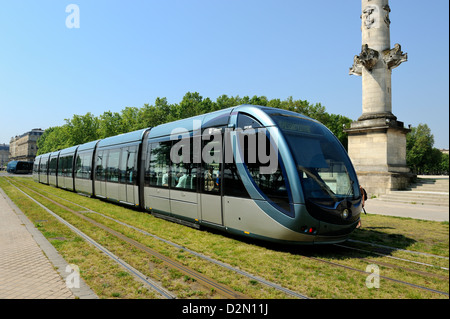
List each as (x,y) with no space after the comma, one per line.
(110,124)
(54,138)
(85,128)
(82,129)
(421,157)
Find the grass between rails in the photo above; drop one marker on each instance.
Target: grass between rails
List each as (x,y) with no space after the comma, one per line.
(284,265)
(406,233)
(104,276)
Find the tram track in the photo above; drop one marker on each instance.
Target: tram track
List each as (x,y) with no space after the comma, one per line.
(389,265)
(380,276)
(85,210)
(392,257)
(394,266)
(200,278)
(410,270)
(202,256)
(294,294)
(390,248)
(137,274)
(263,281)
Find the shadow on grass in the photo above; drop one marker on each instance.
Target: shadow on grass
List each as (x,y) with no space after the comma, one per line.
(369,235)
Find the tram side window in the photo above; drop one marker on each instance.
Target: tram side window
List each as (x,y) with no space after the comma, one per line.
(211,165)
(157,171)
(232,182)
(83,166)
(69,166)
(65,166)
(147,166)
(131,166)
(52,166)
(86,166)
(272,185)
(112,170)
(128,165)
(100,164)
(183,170)
(43,166)
(36,166)
(246,122)
(123,164)
(61,162)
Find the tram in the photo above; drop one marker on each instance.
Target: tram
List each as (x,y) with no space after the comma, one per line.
(19,167)
(254,171)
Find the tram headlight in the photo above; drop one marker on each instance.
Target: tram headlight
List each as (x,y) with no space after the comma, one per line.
(345,213)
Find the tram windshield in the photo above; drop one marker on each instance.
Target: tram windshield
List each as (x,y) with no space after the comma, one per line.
(323,166)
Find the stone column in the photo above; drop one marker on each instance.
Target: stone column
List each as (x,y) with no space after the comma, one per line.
(377,141)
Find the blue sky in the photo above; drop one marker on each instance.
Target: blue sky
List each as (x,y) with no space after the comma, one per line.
(128,53)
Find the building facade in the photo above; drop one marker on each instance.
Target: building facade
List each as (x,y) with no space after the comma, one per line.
(24,147)
(4,155)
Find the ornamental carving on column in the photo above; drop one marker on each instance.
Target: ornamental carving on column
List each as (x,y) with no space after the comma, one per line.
(368,58)
(394,57)
(370,16)
(386,17)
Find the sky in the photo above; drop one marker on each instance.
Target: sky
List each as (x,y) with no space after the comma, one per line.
(128,53)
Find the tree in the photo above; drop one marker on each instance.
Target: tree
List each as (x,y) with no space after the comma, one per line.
(130,120)
(419,145)
(82,129)
(153,115)
(85,128)
(53,139)
(109,124)
(190,105)
(444,165)
(433,162)
(224,102)
(259,100)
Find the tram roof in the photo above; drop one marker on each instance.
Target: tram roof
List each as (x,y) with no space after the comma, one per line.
(68,150)
(87,146)
(217,118)
(130,137)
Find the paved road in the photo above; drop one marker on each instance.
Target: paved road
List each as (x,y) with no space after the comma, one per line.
(30,267)
(427,212)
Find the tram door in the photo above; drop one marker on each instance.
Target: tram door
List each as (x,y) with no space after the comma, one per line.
(211,179)
(131,175)
(112,174)
(128,174)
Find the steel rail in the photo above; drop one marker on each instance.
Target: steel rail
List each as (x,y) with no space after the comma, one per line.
(313,258)
(206,281)
(384,277)
(392,257)
(395,248)
(410,270)
(207,258)
(137,274)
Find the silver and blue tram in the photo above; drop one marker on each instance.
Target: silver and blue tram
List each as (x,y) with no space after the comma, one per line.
(19,167)
(254,171)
